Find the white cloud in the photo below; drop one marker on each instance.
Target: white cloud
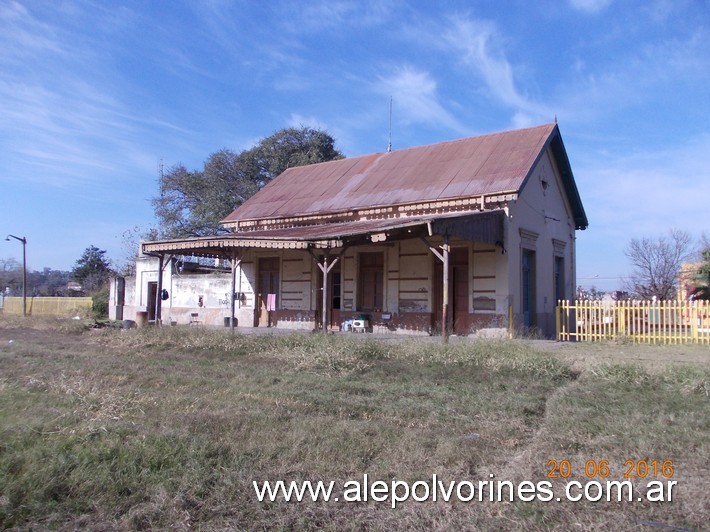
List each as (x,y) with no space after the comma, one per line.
(661,74)
(65,120)
(415,97)
(480,47)
(66,134)
(296,120)
(328,15)
(640,194)
(655,190)
(590,6)
(23,35)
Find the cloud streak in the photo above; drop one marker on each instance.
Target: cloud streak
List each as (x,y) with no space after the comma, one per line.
(590,6)
(479,46)
(63,114)
(415,94)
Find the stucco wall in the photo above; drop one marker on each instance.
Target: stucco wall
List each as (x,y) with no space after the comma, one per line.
(408,297)
(541,221)
(413,278)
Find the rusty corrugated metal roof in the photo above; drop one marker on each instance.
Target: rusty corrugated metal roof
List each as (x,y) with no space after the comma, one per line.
(488,164)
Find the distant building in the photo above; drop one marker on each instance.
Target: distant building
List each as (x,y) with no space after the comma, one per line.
(687,280)
(370,241)
(73,286)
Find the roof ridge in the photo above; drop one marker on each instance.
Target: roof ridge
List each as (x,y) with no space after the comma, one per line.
(482,165)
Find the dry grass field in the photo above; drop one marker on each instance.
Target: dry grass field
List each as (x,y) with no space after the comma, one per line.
(169,428)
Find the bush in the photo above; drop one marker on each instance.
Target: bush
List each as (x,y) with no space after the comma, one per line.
(99,300)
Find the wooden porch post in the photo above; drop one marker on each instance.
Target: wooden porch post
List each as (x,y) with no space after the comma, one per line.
(324,313)
(325,269)
(235,262)
(159,290)
(444,258)
(445,292)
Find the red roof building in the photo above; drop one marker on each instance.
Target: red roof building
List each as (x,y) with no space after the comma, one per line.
(473,236)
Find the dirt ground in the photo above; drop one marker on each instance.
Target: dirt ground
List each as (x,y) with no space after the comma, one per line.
(582,356)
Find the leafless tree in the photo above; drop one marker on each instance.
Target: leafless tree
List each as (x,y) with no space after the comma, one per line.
(656,263)
(591,294)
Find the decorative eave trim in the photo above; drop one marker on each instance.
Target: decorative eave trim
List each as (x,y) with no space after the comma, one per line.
(477,203)
(214,247)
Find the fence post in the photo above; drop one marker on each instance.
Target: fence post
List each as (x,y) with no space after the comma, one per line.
(581,331)
(511,328)
(651,322)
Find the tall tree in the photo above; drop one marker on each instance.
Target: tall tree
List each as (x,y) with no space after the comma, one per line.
(192,203)
(702,291)
(656,263)
(92,270)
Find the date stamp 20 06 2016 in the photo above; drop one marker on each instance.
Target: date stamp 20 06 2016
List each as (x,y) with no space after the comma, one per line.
(603,480)
(603,469)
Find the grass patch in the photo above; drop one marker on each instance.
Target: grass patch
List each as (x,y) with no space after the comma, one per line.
(168,428)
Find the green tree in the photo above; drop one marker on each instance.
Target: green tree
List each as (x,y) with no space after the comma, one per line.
(288,148)
(92,270)
(192,203)
(702,291)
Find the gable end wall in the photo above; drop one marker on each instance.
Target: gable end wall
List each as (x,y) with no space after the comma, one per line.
(545,212)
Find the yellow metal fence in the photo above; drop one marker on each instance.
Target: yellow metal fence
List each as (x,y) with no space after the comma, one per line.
(653,322)
(49,306)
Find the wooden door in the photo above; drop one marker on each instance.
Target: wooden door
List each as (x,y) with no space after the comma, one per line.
(458,292)
(152,298)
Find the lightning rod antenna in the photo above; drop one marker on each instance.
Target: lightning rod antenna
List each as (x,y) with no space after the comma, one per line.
(389,145)
(161,176)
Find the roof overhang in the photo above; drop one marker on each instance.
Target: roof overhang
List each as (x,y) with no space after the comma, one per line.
(482,226)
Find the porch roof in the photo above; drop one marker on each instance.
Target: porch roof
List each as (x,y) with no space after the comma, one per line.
(484,226)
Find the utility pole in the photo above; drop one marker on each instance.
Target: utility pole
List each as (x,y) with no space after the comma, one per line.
(24,271)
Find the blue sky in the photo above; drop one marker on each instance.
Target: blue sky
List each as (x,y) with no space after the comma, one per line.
(94,95)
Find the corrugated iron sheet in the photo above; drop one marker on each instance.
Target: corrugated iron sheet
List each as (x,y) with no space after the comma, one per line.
(487,164)
(484,226)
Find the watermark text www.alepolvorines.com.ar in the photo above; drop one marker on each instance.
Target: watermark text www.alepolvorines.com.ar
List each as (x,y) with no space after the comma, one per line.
(394,492)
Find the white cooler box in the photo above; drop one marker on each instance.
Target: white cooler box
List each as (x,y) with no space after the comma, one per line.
(360,325)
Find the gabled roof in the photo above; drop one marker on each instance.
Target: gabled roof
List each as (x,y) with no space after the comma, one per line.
(498,163)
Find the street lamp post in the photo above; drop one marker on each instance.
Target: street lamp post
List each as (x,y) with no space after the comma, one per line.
(24,271)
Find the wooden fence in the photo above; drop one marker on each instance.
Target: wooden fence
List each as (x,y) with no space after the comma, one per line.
(49,306)
(653,322)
